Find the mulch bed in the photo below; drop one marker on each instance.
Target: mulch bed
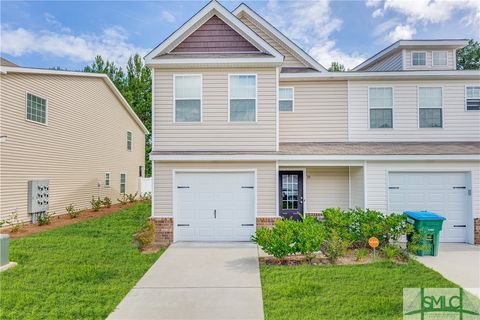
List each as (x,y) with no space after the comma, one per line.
(63,220)
(320,259)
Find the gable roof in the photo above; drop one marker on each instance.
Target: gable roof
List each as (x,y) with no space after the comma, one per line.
(213,8)
(401,44)
(7,70)
(288,44)
(7,63)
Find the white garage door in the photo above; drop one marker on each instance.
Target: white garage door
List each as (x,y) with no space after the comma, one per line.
(214,206)
(442,193)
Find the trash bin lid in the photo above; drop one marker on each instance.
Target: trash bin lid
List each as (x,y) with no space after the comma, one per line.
(424,215)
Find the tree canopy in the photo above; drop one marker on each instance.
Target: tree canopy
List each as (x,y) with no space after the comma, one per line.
(336,67)
(468,58)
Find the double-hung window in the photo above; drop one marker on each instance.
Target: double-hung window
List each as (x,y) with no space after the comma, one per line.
(107,179)
(36,109)
(123,182)
(129,140)
(242,98)
(419,58)
(380,102)
(439,58)
(188,98)
(473,98)
(285,99)
(430,104)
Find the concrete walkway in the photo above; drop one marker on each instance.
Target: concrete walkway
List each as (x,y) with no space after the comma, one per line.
(198,281)
(459,263)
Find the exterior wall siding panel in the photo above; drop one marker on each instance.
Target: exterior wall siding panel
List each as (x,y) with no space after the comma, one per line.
(327,187)
(393,62)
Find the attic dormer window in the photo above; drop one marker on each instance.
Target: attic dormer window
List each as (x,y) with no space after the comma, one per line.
(419,58)
(439,58)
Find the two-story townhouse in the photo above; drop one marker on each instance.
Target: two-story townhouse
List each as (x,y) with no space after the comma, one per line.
(248,128)
(72,132)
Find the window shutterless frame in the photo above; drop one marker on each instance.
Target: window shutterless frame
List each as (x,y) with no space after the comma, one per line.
(26,108)
(256,97)
(108,179)
(418,105)
(124,182)
(293,99)
(446,58)
(418,65)
(129,140)
(466,95)
(174,76)
(369,107)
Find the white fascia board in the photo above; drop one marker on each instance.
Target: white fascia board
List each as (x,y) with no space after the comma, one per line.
(7,70)
(185,62)
(359,75)
(243,8)
(212,8)
(280,157)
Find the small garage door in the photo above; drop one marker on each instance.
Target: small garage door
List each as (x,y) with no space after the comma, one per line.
(214,206)
(443,193)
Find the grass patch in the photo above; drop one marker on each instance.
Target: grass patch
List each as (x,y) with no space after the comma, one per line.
(371,291)
(80,271)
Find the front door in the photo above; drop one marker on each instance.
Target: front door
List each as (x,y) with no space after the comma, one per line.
(291,194)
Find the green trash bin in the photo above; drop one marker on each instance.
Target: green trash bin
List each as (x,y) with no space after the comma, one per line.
(430,224)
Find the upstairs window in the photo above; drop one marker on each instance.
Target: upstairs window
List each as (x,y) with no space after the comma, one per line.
(380,102)
(188,98)
(243,98)
(285,99)
(439,58)
(473,98)
(129,141)
(123,182)
(430,104)
(36,109)
(419,58)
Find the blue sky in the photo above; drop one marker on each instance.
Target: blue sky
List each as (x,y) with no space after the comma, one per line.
(69,34)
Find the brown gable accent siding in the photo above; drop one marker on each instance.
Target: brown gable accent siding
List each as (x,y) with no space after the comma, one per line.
(214,36)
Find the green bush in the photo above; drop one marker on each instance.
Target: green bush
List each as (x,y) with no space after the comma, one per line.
(145,236)
(71,211)
(361,253)
(308,235)
(44,218)
(96,203)
(334,246)
(123,200)
(107,202)
(131,197)
(278,241)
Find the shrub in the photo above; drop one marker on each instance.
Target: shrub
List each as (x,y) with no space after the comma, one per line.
(278,241)
(340,221)
(361,253)
(391,252)
(96,203)
(12,221)
(72,213)
(145,236)
(107,202)
(147,196)
(416,241)
(132,197)
(123,200)
(44,218)
(308,235)
(334,246)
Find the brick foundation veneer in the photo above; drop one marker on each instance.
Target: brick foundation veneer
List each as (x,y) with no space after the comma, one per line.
(163,231)
(476,231)
(318,215)
(266,221)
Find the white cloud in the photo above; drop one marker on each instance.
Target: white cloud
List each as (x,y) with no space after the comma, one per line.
(168,16)
(112,43)
(50,18)
(377,13)
(311,24)
(401,32)
(373,3)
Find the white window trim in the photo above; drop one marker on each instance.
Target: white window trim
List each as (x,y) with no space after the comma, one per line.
(440,65)
(26,108)
(369,107)
(293,99)
(418,106)
(256,98)
(466,86)
(418,65)
(109,179)
(120,183)
(131,142)
(174,117)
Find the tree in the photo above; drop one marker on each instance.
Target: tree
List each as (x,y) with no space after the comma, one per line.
(468,58)
(114,72)
(336,67)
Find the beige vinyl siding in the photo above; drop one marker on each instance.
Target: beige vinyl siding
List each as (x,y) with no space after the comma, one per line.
(327,187)
(215,133)
(290,60)
(320,112)
(266,183)
(86,136)
(357,195)
(450,59)
(393,62)
(377,176)
(458,124)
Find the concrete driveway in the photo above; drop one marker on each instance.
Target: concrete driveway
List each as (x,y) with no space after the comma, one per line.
(198,281)
(459,263)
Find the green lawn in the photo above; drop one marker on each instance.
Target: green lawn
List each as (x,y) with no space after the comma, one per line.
(371,291)
(81,271)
